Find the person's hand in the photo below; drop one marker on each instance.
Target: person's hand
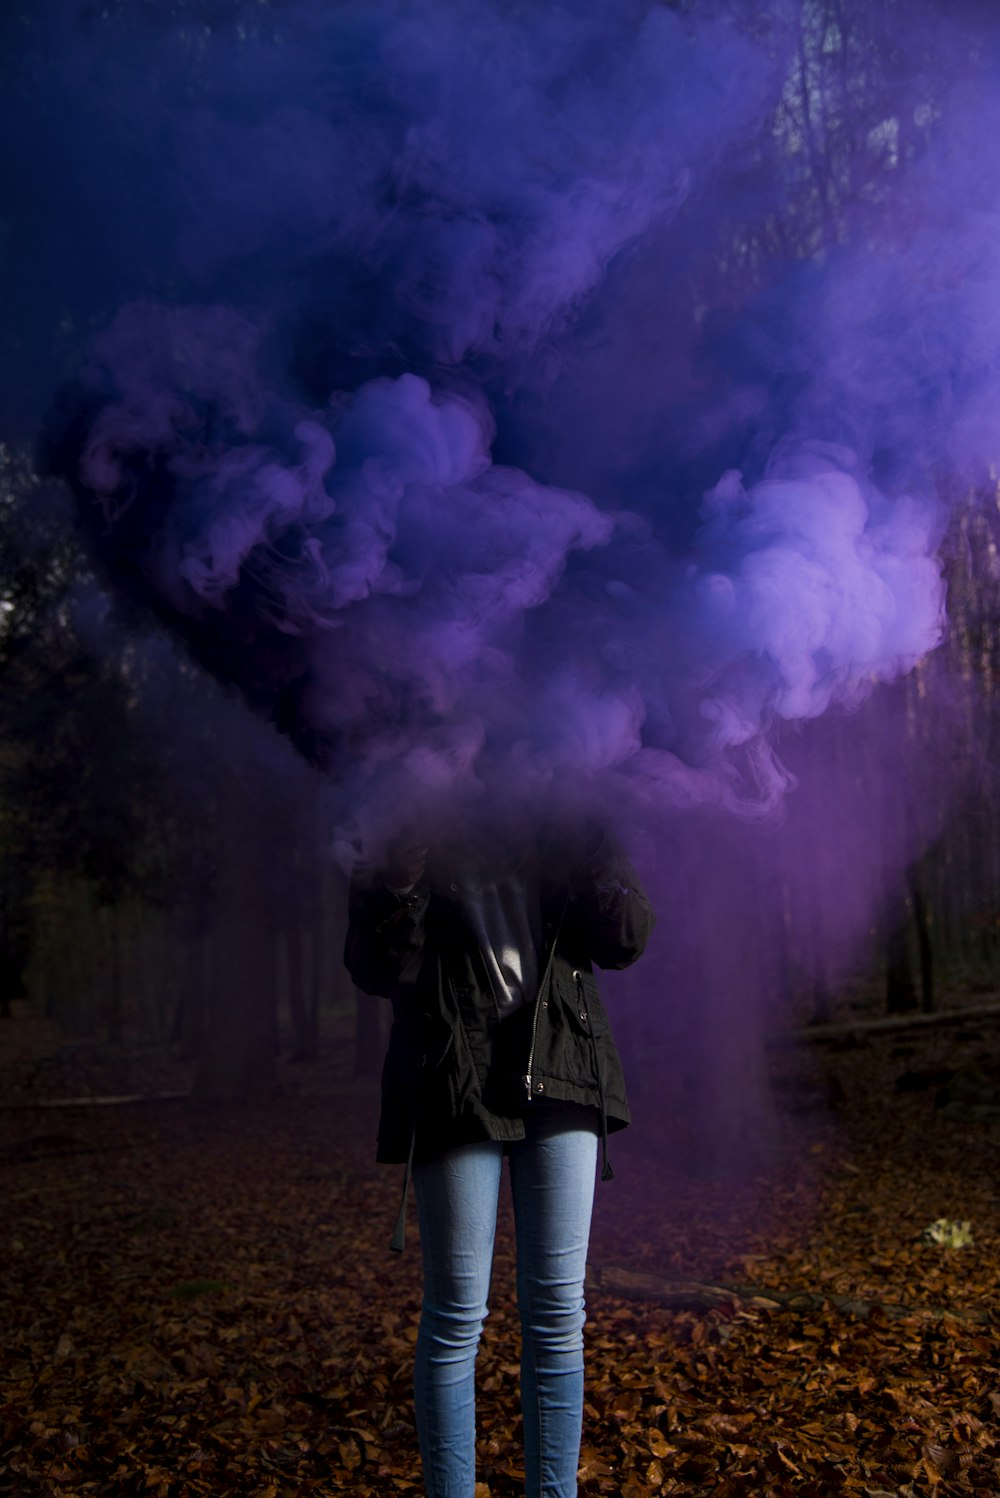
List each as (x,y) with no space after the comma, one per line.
(585,844)
(405,864)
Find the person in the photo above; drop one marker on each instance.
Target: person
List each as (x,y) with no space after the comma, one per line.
(500,1045)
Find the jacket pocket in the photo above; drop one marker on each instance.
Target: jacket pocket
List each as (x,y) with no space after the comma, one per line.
(573,1027)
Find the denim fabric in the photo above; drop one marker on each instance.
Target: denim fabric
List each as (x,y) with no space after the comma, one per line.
(552,1180)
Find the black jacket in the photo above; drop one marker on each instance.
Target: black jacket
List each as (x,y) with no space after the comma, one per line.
(455,1072)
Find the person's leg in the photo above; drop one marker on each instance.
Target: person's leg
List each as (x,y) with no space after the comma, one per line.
(552,1176)
(457,1206)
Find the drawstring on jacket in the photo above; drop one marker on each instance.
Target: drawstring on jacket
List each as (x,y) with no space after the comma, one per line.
(398,1241)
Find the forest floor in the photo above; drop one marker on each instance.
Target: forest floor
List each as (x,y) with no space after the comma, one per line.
(204,1303)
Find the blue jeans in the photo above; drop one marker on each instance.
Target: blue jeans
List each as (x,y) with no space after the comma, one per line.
(552,1180)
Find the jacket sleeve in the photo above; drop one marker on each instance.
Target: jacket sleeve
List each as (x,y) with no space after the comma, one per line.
(608,907)
(385,934)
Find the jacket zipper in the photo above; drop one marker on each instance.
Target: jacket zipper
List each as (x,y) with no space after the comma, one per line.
(538,1000)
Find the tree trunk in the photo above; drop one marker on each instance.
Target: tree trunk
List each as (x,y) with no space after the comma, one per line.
(900,990)
(368,1035)
(311,950)
(114,979)
(301,997)
(237,1063)
(918,904)
(188,1026)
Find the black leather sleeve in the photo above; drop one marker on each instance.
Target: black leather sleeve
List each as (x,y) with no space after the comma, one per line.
(609,910)
(385,935)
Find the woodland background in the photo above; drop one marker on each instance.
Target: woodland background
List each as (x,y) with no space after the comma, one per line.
(165,865)
(172,921)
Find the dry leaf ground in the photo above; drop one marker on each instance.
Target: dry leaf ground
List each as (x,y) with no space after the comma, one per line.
(206,1304)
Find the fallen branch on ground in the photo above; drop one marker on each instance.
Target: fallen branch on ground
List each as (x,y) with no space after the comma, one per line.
(697,1295)
(887,1024)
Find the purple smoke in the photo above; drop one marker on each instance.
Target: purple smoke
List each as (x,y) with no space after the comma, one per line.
(432,439)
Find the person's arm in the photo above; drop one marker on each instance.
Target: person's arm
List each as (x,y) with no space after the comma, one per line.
(609,909)
(386,921)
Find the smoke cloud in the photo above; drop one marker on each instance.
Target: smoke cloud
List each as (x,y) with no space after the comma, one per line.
(412,413)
